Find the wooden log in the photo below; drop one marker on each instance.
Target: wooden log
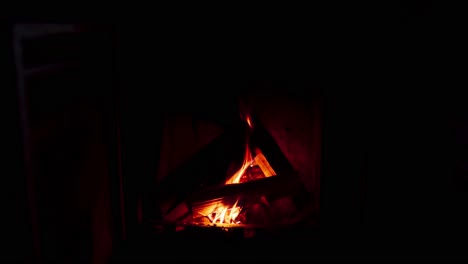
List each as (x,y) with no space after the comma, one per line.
(251,197)
(206,201)
(177,213)
(276,186)
(262,162)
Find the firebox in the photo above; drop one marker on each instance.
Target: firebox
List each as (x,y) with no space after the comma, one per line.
(232,175)
(251,185)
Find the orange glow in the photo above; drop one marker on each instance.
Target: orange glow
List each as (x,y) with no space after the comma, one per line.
(247,161)
(251,161)
(254,166)
(225,215)
(249,122)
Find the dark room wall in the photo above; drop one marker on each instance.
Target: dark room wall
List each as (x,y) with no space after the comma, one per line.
(67,110)
(16,218)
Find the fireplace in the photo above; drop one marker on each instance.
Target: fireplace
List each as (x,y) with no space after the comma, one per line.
(242,167)
(252,184)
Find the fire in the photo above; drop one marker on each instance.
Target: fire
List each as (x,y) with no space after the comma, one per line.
(226,215)
(248,159)
(255,161)
(254,166)
(249,122)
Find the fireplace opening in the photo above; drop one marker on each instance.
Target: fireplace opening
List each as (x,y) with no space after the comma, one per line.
(237,177)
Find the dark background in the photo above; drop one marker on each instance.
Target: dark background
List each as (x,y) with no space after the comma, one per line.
(393,177)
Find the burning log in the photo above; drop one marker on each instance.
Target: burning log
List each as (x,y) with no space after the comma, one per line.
(179,213)
(254,168)
(263,164)
(271,186)
(246,203)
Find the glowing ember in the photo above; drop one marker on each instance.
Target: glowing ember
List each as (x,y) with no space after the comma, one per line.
(225,215)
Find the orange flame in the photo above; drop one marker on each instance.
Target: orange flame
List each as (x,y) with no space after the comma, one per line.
(249,122)
(228,215)
(248,159)
(225,214)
